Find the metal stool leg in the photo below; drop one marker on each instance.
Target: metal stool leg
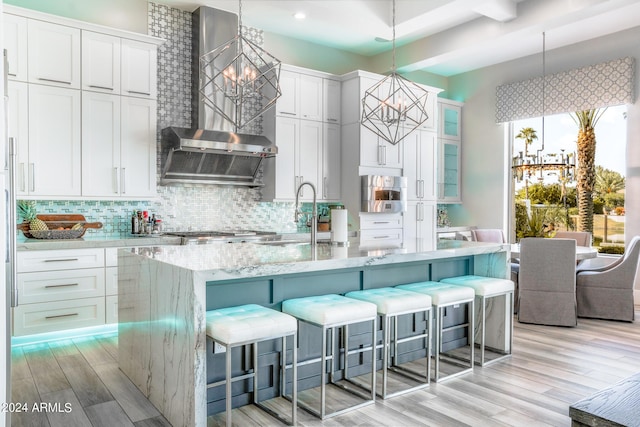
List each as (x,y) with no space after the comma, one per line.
(228,384)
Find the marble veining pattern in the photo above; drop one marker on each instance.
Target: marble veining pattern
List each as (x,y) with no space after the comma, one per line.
(232,261)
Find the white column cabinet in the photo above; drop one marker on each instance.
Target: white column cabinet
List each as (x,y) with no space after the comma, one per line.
(54,144)
(331,100)
(19,131)
(53,54)
(309,158)
(420,164)
(419,226)
(100,63)
(139,63)
(15,41)
(330,184)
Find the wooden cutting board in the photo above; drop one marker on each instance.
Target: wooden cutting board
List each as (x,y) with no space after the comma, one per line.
(54,221)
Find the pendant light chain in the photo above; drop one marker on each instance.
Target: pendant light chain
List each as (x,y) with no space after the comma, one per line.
(240,17)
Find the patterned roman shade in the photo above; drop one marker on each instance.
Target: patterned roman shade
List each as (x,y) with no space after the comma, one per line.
(601,85)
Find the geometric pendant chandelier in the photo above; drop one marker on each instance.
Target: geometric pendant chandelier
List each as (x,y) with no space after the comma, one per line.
(240,79)
(394,107)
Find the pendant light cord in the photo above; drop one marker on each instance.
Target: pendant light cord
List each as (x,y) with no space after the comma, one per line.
(393,23)
(544,82)
(240,17)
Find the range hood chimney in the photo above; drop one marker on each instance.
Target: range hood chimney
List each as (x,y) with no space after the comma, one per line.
(211,152)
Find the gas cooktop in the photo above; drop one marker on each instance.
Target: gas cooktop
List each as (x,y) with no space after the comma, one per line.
(231,236)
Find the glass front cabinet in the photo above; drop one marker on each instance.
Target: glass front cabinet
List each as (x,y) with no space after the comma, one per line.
(449,149)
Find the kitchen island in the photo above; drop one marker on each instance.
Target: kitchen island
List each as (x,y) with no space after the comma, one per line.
(164,293)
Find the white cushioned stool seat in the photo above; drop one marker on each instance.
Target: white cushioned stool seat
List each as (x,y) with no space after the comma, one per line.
(329,309)
(484,286)
(247,323)
(391,300)
(329,312)
(441,293)
(391,303)
(246,326)
(445,295)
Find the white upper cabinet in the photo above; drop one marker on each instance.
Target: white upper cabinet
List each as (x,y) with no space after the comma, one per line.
(15,41)
(376,152)
(53,54)
(288,104)
(100,63)
(311,97)
(449,148)
(450,120)
(54,141)
(139,65)
(100,144)
(331,100)
(138,147)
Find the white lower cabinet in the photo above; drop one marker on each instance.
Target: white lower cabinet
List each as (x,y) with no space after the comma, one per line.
(57,315)
(59,289)
(381,230)
(111,306)
(111,285)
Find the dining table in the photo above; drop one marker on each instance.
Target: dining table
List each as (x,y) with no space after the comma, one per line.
(582,252)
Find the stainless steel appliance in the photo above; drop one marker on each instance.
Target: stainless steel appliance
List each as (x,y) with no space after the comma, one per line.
(382,193)
(226,236)
(9,196)
(211,152)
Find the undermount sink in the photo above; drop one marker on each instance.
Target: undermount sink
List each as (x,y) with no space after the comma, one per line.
(282,242)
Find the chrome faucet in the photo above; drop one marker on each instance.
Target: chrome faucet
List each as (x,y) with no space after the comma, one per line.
(314,212)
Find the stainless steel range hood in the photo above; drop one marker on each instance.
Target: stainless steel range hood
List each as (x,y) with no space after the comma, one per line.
(211,152)
(212,157)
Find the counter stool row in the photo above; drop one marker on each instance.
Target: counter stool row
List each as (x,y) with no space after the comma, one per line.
(249,324)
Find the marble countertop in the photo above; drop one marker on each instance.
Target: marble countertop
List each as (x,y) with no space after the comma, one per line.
(91,240)
(233,261)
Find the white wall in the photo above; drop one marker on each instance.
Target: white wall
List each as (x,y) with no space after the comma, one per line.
(483,154)
(5,336)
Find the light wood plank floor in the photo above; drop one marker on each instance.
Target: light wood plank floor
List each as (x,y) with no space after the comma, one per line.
(551,368)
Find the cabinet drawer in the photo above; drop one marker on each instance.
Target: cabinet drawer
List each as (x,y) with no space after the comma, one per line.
(384,237)
(60,285)
(58,315)
(111,281)
(59,260)
(380,221)
(111,308)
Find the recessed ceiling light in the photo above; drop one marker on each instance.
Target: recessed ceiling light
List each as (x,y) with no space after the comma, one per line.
(299,15)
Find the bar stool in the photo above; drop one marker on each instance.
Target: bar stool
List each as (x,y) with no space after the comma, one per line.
(250,324)
(445,295)
(391,303)
(328,312)
(486,288)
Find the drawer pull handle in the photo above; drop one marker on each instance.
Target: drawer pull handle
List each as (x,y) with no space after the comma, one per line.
(62,285)
(100,87)
(139,93)
(381,237)
(381,222)
(61,260)
(287,113)
(54,81)
(61,315)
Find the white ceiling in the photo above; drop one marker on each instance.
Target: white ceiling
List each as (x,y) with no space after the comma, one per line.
(445,37)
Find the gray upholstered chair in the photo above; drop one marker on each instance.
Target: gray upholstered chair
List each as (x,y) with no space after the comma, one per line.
(493,235)
(547,282)
(607,292)
(582,238)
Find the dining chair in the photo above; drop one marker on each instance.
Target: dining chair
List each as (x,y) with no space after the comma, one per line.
(607,292)
(492,235)
(582,238)
(547,282)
